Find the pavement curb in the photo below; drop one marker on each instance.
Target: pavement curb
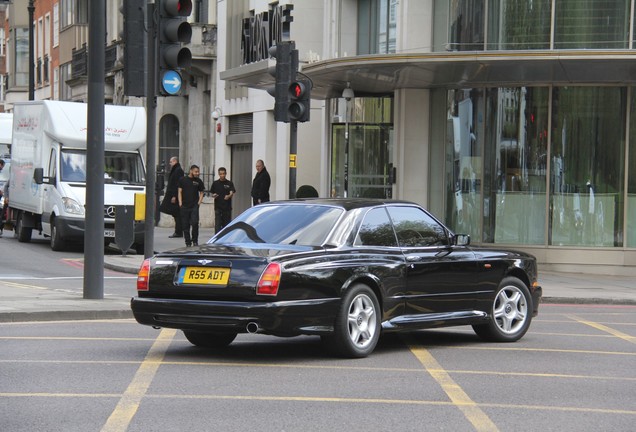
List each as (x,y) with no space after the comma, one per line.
(122,268)
(581,300)
(9,317)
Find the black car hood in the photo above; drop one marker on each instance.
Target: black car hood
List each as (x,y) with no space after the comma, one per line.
(260,250)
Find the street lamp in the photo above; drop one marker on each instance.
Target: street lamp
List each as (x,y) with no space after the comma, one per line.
(347,94)
(31,9)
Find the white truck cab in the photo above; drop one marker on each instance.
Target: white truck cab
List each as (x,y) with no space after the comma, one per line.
(48,173)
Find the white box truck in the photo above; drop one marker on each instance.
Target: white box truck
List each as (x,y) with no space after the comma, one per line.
(48,169)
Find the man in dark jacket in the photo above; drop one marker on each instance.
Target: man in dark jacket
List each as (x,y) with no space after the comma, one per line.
(170,204)
(190,194)
(261,183)
(222,191)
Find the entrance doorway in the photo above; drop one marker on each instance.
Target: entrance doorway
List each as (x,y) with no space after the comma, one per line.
(241,176)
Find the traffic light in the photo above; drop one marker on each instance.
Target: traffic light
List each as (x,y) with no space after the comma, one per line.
(285,68)
(134,38)
(299,103)
(173,31)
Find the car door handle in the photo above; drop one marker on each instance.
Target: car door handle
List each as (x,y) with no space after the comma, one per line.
(413,258)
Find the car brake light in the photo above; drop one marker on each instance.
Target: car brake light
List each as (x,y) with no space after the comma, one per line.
(269,281)
(143,276)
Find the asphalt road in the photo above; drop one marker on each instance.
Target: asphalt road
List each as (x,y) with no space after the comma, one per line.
(573,371)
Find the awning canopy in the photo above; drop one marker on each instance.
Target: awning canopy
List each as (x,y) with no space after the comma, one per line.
(379,75)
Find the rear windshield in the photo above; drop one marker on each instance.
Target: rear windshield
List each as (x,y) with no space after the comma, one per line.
(307,225)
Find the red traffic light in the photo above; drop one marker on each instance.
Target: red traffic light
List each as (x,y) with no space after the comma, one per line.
(297,89)
(178,7)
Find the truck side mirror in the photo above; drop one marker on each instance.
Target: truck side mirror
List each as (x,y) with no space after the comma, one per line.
(38,175)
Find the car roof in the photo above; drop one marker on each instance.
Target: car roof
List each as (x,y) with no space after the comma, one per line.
(345,203)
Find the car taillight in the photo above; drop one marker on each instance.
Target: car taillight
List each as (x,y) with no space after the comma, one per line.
(269,281)
(143,276)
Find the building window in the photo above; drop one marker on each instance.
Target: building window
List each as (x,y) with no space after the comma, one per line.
(591,24)
(587,160)
(21,57)
(467,25)
(377,26)
(630,227)
(506,147)
(73,12)
(519,24)
(168,140)
(65,75)
(56,24)
(3,42)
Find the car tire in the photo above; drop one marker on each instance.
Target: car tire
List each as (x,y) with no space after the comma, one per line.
(511,313)
(357,327)
(209,340)
(23,234)
(57,244)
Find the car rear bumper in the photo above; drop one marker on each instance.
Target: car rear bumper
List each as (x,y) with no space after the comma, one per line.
(278,318)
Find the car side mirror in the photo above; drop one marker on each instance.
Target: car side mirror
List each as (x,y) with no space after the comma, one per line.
(462,239)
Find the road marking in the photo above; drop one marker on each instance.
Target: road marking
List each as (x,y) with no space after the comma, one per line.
(604,328)
(327,399)
(129,402)
(470,409)
(319,367)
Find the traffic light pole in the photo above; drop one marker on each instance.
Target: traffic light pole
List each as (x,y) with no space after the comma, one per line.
(151,120)
(94,232)
(293,148)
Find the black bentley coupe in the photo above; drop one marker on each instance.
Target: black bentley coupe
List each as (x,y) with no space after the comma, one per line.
(344,269)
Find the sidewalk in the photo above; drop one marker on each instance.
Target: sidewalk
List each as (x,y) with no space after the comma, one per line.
(20,304)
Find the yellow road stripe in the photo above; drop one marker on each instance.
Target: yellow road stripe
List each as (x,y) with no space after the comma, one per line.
(129,402)
(323,367)
(328,399)
(471,411)
(604,328)
(19,285)
(552,350)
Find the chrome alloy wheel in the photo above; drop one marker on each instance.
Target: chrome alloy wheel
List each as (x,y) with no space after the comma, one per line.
(510,309)
(361,320)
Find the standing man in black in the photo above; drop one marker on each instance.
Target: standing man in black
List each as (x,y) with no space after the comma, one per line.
(190,196)
(261,183)
(170,204)
(222,191)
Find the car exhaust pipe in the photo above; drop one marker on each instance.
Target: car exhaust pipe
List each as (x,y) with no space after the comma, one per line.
(251,327)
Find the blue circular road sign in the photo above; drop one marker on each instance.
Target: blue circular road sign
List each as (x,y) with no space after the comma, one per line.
(171,82)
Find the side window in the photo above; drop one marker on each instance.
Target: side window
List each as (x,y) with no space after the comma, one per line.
(53,164)
(415,228)
(376,230)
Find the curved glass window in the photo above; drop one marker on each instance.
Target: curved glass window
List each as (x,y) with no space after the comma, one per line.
(591,24)
(467,25)
(587,160)
(507,147)
(518,24)
(631,179)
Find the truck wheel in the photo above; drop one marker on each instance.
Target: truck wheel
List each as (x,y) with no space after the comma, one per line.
(23,234)
(57,244)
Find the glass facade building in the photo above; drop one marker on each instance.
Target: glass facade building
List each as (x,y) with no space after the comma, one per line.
(514,121)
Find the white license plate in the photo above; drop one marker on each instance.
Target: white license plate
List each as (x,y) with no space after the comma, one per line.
(109,233)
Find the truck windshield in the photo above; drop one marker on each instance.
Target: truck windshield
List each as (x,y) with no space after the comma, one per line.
(119,167)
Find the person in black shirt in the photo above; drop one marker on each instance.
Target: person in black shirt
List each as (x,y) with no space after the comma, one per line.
(170,205)
(190,194)
(222,192)
(261,183)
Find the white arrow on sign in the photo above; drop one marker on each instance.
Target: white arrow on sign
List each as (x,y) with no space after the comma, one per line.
(174,82)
